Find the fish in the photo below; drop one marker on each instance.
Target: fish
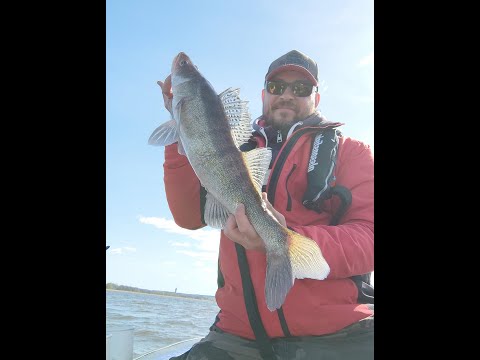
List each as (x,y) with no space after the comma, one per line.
(210,127)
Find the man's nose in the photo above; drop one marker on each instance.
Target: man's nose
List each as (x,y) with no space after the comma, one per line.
(288,93)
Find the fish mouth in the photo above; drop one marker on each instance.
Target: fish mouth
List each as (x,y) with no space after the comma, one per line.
(179,59)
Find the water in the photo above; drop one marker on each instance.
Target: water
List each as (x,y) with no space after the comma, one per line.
(159,320)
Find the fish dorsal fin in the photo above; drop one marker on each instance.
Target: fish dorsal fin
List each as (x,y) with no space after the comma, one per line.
(258,161)
(216,214)
(237,114)
(165,134)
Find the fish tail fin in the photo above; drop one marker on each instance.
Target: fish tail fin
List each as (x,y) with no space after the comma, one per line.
(306,258)
(279,279)
(303,260)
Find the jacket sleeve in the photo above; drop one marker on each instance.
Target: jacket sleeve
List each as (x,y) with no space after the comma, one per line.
(348,246)
(182,189)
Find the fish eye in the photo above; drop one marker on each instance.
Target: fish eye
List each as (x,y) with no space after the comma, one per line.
(183,62)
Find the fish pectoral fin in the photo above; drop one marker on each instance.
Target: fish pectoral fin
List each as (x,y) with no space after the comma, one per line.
(257,162)
(237,115)
(215,214)
(306,258)
(165,134)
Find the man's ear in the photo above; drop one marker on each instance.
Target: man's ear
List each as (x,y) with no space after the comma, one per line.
(317,99)
(263,94)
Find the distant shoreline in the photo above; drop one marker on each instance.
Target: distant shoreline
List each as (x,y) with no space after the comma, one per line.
(168,294)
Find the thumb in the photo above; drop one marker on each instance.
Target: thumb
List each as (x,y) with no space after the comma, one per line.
(166,87)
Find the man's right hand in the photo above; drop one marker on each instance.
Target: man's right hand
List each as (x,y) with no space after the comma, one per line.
(167,93)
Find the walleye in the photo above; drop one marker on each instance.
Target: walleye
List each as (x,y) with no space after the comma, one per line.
(209,129)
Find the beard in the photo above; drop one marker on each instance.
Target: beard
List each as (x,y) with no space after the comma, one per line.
(284,112)
(285,105)
(279,117)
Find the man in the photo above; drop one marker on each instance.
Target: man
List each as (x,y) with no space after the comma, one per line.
(320,319)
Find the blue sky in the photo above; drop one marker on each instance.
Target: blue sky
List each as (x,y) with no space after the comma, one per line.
(232,43)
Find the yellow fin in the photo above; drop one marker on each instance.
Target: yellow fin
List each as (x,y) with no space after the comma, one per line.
(306,258)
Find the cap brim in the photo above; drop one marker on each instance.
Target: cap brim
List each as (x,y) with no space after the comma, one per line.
(292,67)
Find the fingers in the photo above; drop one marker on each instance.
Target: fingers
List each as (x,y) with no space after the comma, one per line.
(167,92)
(166,86)
(231,231)
(269,206)
(238,229)
(230,225)
(276,214)
(160,83)
(267,203)
(244,225)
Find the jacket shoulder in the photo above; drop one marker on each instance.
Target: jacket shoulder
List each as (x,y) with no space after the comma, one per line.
(353,146)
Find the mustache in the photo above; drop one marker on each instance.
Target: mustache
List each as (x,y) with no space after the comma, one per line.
(284,104)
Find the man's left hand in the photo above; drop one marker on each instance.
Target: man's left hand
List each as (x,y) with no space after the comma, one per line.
(239,229)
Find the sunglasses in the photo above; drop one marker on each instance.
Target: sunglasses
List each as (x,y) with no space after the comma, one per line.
(299,88)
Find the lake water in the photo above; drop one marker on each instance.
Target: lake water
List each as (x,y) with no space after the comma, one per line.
(159,320)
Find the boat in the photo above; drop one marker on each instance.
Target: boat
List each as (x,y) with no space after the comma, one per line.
(119,346)
(166,352)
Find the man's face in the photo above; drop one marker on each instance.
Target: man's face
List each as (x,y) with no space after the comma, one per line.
(285,109)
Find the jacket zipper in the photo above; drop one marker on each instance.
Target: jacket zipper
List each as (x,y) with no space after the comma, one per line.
(279,136)
(289,198)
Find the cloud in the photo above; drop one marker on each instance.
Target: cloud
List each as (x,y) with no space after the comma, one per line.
(366,60)
(363,99)
(322,87)
(367,64)
(122,250)
(180,244)
(206,240)
(167,263)
(200,255)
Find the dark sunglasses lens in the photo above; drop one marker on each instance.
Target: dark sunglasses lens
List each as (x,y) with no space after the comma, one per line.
(302,90)
(299,89)
(275,88)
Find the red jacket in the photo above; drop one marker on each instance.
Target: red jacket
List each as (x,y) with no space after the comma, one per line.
(312,307)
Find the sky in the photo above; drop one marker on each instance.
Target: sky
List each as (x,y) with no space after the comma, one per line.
(232,43)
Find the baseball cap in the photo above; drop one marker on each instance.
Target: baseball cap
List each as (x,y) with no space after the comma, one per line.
(294,60)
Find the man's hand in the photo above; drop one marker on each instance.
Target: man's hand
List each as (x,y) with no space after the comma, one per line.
(239,229)
(167,93)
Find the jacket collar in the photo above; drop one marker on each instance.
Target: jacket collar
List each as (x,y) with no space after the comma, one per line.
(315,120)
